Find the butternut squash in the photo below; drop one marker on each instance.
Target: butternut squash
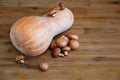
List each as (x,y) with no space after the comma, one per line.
(32,35)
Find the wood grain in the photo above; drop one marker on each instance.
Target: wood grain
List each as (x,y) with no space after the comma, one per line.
(97,22)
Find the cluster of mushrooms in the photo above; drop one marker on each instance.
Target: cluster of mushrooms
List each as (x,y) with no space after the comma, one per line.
(60,47)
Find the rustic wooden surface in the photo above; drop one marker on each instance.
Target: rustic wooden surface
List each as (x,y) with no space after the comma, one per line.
(97,22)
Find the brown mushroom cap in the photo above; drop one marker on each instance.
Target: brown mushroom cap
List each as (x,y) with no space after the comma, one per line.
(19,57)
(55,52)
(74,44)
(62,6)
(62,41)
(72,36)
(53,44)
(43,66)
(51,12)
(66,48)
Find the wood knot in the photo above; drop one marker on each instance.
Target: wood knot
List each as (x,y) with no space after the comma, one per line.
(34,8)
(99,58)
(115,2)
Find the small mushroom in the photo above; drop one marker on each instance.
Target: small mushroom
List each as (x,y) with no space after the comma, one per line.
(57,52)
(53,44)
(43,66)
(52,12)
(62,6)
(66,49)
(74,44)
(72,36)
(62,41)
(20,59)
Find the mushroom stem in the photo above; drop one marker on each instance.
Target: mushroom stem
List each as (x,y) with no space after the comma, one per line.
(65,53)
(54,14)
(22,61)
(61,55)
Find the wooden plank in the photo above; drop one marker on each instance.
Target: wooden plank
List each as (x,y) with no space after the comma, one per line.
(79,22)
(37,3)
(103,12)
(105,2)
(75,29)
(99,45)
(97,23)
(99,38)
(85,38)
(97,31)
(72,59)
(75,3)
(97,51)
(7,50)
(90,45)
(77,73)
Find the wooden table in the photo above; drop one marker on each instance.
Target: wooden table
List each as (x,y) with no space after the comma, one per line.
(97,22)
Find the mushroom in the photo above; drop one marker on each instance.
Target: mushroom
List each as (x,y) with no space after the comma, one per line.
(20,59)
(62,41)
(52,12)
(53,44)
(57,52)
(62,6)
(72,36)
(65,50)
(74,44)
(44,66)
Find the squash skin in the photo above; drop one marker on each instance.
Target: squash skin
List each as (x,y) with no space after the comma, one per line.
(32,35)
